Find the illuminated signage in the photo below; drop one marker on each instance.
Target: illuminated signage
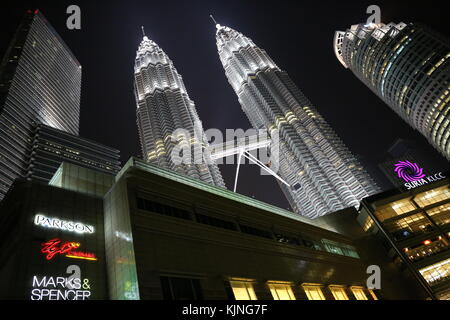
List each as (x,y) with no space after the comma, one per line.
(72,287)
(413,175)
(41,220)
(427,180)
(53,247)
(81,255)
(408,171)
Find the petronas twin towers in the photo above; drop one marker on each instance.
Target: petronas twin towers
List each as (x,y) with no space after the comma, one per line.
(164,110)
(322,173)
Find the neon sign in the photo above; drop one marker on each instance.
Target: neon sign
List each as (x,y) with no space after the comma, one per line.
(53,247)
(81,255)
(427,180)
(55,223)
(413,175)
(408,171)
(61,288)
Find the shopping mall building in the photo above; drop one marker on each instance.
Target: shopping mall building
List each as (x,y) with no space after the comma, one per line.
(415,227)
(149,233)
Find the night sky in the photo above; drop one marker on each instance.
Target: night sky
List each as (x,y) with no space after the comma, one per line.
(298,35)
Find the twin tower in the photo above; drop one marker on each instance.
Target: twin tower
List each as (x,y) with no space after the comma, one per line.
(326,176)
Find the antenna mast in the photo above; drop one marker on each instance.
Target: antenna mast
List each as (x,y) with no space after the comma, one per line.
(212,18)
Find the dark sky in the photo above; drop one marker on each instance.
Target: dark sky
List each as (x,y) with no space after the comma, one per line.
(298,35)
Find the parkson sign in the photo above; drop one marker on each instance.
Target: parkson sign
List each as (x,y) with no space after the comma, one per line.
(55,223)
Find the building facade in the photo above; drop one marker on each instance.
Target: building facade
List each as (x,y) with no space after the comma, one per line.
(40,82)
(52,244)
(322,173)
(414,225)
(204,242)
(149,233)
(408,67)
(51,147)
(167,120)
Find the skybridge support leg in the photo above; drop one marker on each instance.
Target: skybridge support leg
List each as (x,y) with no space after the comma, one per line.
(240,154)
(253,159)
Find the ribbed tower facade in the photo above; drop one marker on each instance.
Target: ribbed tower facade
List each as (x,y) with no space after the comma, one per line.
(40,83)
(164,111)
(408,67)
(324,176)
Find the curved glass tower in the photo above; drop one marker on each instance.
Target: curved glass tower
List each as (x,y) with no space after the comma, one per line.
(408,66)
(167,119)
(323,174)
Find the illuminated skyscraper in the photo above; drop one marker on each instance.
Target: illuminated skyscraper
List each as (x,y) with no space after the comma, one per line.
(164,112)
(323,175)
(51,147)
(408,67)
(40,82)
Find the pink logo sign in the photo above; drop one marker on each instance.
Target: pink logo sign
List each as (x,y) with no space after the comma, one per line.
(408,171)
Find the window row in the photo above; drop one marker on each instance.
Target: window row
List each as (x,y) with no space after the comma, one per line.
(436,273)
(243,290)
(304,241)
(182,288)
(421,200)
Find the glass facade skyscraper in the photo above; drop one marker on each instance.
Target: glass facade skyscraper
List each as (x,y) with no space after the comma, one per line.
(324,176)
(167,119)
(40,82)
(408,67)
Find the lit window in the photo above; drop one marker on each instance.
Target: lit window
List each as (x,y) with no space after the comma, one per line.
(338,292)
(243,290)
(417,223)
(313,292)
(281,291)
(368,224)
(433,196)
(395,209)
(359,294)
(441,214)
(426,248)
(437,272)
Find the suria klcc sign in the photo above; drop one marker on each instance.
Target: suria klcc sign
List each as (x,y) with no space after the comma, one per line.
(413,175)
(55,223)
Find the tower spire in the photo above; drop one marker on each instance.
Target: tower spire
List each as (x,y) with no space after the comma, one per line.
(143,31)
(212,18)
(164,91)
